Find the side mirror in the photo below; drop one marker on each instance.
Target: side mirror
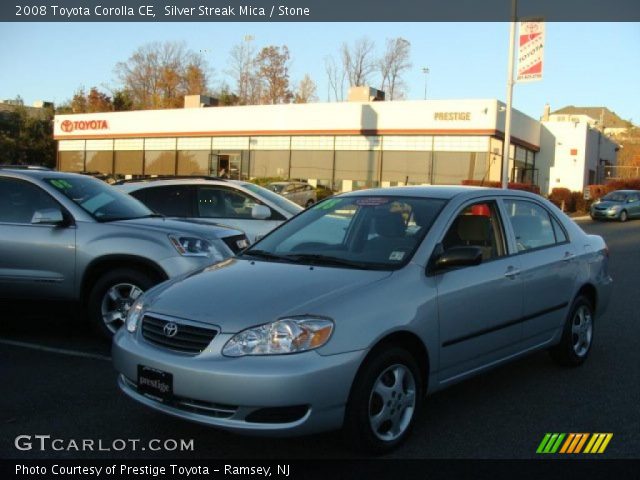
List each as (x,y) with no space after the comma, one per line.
(47,216)
(260,212)
(458,257)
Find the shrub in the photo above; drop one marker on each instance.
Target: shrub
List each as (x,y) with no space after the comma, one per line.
(628,184)
(562,197)
(597,191)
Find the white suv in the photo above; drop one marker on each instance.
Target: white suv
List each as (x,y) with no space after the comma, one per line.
(241,205)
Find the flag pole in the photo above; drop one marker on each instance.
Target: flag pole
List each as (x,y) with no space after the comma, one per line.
(510,82)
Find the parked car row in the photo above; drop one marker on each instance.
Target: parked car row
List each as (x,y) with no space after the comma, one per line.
(344,316)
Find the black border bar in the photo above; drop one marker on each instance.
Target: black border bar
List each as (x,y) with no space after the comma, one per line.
(334,469)
(318,10)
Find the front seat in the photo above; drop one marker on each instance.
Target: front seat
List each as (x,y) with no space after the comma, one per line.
(475,230)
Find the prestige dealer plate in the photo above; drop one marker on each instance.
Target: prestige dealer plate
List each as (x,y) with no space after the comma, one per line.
(155,382)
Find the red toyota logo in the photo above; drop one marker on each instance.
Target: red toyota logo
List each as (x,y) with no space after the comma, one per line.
(67,126)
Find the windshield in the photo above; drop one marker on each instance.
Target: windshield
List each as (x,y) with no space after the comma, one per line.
(286,205)
(103,202)
(369,232)
(276,187)
(614,197)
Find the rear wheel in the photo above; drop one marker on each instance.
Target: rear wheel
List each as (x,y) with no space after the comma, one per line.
(577,336)
(383,402)
(112,296)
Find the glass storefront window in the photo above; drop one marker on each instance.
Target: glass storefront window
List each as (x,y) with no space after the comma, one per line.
(159,162)
(357,169)
(406,168)
(128,162)
(269,164)
(451,168)
(193,162)
(71,161)
(101,161)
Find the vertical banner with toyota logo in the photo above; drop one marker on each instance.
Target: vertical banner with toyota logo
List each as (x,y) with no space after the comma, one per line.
(530,51)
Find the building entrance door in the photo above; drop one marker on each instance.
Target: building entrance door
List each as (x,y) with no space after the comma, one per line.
(226,165)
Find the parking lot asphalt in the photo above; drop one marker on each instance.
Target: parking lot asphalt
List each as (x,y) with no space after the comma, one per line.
(56,379)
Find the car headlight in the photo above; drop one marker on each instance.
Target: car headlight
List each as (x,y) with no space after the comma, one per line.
(135,314)
(614,208)
(287,335)
(194,247)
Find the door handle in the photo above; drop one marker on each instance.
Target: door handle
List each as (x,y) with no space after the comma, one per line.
(568,256)
(512,272)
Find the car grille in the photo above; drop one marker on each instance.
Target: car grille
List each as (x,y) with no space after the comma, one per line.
(187,339)
(210,409)
(236,243)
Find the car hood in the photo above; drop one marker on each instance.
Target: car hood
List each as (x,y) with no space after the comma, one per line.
(168,225)
(606,204)
(237,294)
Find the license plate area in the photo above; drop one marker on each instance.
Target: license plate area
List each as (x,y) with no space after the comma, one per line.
(154,382)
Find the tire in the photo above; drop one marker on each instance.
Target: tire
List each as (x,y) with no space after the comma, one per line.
(624,216)
(577,335)
(309,203)
(111,297)
(376,423)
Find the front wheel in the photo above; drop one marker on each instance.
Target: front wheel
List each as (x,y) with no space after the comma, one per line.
(383,402)
(309,203)
(624,216)
(112,296)
(577,336)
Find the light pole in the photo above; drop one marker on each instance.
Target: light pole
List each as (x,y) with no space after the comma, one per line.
(425,70)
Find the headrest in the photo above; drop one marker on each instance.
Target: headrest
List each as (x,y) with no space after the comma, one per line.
(473,228)
(389,224)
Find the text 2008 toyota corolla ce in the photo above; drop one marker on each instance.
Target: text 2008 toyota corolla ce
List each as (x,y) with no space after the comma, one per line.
(348,314)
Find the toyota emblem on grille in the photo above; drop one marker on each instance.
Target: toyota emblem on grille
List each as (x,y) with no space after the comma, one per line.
(170,329)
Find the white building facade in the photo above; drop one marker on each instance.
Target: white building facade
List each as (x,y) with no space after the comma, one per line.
(343,146)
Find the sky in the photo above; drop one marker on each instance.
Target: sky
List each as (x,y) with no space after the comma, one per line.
(585,64)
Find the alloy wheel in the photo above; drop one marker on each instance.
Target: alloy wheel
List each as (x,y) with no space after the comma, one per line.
(116,304)
(392,402)
(582,330)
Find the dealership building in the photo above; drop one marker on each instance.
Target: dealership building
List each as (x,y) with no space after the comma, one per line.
(344,146)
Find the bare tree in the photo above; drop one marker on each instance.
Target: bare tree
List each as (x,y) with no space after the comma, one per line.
(273,69)
(306,91)
(158,75)
(335,76)
(358,61)
(243,69)
(392,65)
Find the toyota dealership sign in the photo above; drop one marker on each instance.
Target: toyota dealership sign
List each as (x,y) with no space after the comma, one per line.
(530,51)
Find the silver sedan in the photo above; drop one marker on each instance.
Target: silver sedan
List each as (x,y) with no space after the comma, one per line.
(350,313)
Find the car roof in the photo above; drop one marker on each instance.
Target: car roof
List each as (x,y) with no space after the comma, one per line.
(39,174)
(428,191)
(137,184)
(624,191)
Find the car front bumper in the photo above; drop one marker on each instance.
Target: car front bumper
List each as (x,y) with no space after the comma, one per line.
(278,395)
(605,214)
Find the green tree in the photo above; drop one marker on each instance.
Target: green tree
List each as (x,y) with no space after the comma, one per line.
(26,137)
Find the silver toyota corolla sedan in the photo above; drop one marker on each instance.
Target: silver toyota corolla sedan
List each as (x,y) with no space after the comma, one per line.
(351,312)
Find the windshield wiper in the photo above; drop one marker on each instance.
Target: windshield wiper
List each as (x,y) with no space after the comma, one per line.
(265,254)
(318,259)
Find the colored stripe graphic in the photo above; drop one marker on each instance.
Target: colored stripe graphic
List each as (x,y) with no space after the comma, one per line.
(550,443)
(573,443)
(598,442)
